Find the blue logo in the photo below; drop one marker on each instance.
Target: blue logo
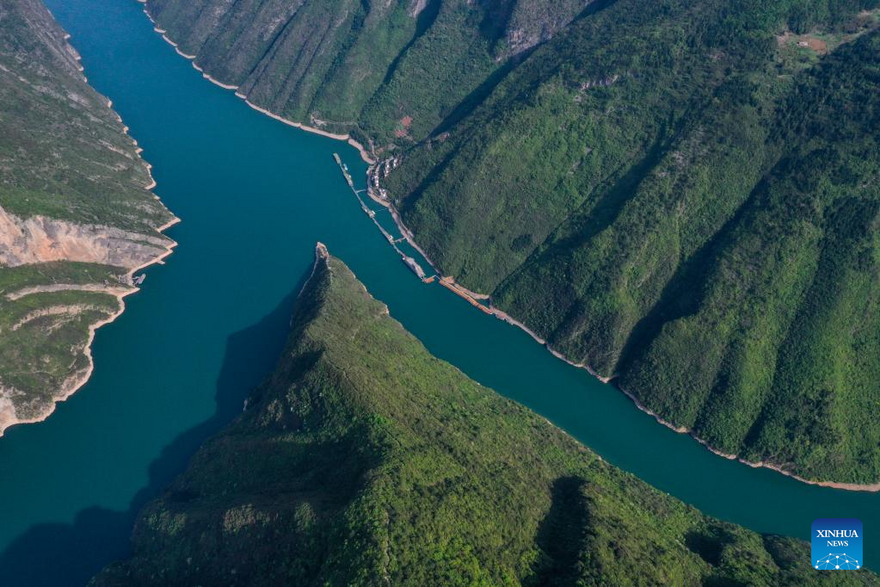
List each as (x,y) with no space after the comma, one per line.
(837,544)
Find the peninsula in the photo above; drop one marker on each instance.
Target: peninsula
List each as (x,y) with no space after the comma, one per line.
(680,196)
(364,460)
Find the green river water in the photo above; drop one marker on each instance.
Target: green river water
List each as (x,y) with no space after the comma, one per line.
(254,196)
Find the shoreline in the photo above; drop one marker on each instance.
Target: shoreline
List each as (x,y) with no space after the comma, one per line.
(473,297)
(863,487)
(208,77)
(365,155)
(505,317)
(321,254)
(339,137)
(407,233)
(76,381)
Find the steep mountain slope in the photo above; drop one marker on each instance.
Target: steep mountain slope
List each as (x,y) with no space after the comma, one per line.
(75,218)
(676,193)
(364,460)
(786,316)
(380,70)
(705,229)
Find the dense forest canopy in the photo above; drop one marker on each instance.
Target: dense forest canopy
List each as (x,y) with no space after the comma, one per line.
(364,460)
(679,194)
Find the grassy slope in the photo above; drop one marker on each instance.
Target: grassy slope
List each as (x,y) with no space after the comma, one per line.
(63,155)
(634,189)
(62,150)
(364,460)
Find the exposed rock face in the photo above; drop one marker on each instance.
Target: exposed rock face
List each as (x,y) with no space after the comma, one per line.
(75,217)
(532,22)
(39,240)
(8,415)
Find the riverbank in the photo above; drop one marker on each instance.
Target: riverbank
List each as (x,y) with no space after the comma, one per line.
(365,155)
(501,315)
(339,137)
(866,487)
(8,414)
(8,418)
(372,177)
(475,298)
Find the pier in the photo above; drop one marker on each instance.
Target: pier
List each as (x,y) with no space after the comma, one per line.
(450,284)
(407,260)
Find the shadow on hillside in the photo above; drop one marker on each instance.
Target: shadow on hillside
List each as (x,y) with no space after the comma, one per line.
(70,554)
(562,533)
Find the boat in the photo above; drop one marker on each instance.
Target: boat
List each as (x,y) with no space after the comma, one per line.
(416,268)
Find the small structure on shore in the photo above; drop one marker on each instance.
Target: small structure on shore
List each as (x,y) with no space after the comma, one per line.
(409,261)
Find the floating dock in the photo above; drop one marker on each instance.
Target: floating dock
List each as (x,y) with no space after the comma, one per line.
(447,282)
(409,261)
(416,268)
(344,168)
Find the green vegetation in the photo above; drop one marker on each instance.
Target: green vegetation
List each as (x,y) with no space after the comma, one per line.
(13,279)
(787,319)
(682,194)
(73,212)
(364,460)
(41,348)
(62,150)
(695,269)
(352,66)
(42,334)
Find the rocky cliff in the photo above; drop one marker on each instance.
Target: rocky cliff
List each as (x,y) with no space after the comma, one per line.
(76,214)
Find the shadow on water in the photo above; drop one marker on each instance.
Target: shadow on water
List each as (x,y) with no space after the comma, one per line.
(64,554)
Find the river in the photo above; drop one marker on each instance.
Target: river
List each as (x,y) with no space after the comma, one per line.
(254,196)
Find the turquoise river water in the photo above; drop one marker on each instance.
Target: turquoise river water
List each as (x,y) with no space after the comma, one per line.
(254,196)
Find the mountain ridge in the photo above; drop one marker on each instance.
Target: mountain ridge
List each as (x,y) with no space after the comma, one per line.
(590,186)
(365,460)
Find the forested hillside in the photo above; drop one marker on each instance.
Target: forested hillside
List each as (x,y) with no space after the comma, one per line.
(681,194)
(364,460)
(75,217)
(697,215)
(389,72)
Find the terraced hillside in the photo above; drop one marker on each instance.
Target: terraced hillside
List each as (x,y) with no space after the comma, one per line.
(75,217)
(681,194)
(364,460)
